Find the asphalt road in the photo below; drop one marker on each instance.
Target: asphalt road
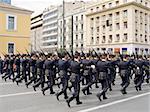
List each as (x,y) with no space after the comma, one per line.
(15,98)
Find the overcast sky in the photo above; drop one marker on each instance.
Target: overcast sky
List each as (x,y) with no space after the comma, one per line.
(37,5)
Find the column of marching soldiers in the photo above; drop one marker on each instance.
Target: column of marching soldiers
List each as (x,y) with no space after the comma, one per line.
(71,72)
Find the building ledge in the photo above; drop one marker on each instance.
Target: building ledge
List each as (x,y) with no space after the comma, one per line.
(119,6)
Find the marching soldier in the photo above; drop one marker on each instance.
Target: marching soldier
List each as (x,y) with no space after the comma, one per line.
(49,73)
(87,73)
(75,67)
(17,67)
(1,66)
(63,65)
(40,72)
(32,63)
(102,69)
(139,73)
(111,71)
(124,65)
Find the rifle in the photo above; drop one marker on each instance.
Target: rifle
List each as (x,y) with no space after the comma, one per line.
(27,51)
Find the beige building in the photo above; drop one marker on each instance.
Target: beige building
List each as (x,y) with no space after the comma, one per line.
(119,26)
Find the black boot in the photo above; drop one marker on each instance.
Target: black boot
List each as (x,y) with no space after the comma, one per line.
(43,92)
(104,96)
(99,96)
(88,92)
(57,96)
(69,100)
(83,90)
(79,103)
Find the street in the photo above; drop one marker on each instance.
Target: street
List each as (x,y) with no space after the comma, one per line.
(15,98)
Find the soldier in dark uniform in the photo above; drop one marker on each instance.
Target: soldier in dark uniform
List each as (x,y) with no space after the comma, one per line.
(40,72)
(49,73)
(1,66)
(94,60)
(63,65)
(75,67)
(32,62)
(124,65)
(87,73)
(147,69)
(24,69)
(6,67)
(102,69)
(28,67)
(111,71)
(10,68)
(17,67)
(139,73)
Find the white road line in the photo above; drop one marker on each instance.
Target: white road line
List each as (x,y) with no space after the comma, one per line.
(8,83)
(18,94)
(115,102)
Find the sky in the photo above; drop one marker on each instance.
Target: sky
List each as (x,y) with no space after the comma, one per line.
(37,5)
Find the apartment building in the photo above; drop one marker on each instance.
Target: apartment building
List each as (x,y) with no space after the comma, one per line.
(119,26)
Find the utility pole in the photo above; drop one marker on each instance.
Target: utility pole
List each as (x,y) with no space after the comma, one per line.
(72,35)
(63,23)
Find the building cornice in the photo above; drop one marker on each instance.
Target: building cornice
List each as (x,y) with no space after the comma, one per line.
(14,36)
(121,43)
(10,8)
(119,6)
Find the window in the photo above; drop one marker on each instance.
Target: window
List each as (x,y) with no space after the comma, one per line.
(125,37)
(145,3)
(104,39)
(76,37)
(97,29)
(117,26)
(141,37)
(103,6)
(81,26)
(76,45)
(117,13)
(110,39)
(92,40)
(92,30)
(103,17)
(97,8)
(81,37)
(125,13)
(81,17)
(97,40)
(103,27)
(76,27)
(146,39)
(97,20)
(81,46)
(110,27)
(76,18)
(110,5)
(136,38)
(125,25)
(117,38)
(11,22)
(117,2)
(10,48)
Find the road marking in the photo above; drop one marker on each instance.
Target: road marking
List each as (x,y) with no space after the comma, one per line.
(115,102)
(18,94)
(8,83)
